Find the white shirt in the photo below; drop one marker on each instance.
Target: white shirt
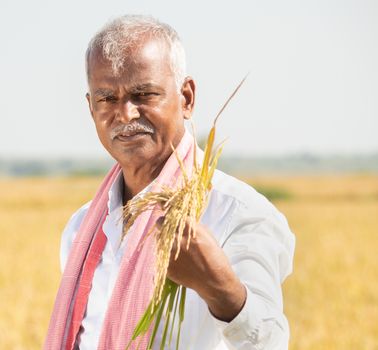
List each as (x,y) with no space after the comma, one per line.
(259,244)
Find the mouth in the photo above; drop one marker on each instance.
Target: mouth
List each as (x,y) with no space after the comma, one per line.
(131,136)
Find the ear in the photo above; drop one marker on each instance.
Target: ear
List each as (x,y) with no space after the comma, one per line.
(88,97)
(188,92)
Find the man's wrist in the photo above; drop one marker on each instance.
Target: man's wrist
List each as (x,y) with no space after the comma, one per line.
(226,303)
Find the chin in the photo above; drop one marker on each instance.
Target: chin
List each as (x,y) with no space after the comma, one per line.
(134,155)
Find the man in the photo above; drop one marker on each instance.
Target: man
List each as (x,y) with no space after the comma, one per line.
(139,97)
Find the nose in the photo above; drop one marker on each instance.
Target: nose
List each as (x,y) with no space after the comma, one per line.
(127,112)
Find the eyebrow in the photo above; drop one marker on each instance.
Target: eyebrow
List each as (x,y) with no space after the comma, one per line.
(146,86)
(104,92)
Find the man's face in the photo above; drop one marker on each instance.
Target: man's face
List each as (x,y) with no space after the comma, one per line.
(140,112)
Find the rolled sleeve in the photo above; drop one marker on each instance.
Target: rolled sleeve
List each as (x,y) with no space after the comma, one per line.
(251,329)
(260,249)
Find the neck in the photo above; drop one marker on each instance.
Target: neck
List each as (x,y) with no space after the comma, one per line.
(137,178)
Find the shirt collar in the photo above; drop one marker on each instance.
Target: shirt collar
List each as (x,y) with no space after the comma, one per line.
(115,193)
(113,222)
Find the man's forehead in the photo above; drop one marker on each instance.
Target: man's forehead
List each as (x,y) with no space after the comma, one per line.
(141,55)
(130,80)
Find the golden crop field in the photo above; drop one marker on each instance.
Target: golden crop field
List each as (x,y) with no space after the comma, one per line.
(331,300)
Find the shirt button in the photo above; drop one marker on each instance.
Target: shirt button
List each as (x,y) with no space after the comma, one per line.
(253,337)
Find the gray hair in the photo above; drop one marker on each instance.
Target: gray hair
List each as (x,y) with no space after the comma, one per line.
(127,33)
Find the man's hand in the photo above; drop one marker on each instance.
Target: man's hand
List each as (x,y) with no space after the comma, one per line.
(205,268)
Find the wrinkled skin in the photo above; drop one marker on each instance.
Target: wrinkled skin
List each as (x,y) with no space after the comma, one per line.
(145,93)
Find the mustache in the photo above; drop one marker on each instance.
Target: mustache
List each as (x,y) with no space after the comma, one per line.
(130,129)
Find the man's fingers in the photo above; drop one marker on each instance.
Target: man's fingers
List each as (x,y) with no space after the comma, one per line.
(188,236)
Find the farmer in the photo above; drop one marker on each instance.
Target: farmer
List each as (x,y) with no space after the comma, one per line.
(139,96)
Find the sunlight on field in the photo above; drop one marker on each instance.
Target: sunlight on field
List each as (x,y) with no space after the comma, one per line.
(331,300)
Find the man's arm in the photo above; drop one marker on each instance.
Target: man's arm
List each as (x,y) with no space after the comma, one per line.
(205,268)
(241,283)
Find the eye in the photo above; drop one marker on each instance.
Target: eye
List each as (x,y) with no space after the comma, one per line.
(111,99)
(146,94)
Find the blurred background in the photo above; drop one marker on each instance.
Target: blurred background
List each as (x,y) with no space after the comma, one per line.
(302,130)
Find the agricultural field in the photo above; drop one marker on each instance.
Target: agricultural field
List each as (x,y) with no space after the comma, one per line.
(331,299)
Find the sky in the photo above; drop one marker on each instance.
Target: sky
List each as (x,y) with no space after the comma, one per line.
(312,87)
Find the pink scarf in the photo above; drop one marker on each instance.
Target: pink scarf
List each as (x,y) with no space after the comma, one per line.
(134,286)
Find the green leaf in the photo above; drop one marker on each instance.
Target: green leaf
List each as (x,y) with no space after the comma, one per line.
(181,314)
(157,322)
(177,297)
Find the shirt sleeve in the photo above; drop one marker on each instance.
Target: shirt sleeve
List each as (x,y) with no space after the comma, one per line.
(69,234)
(260,250)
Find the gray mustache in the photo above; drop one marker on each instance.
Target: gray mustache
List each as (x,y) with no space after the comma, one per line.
(130,129)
